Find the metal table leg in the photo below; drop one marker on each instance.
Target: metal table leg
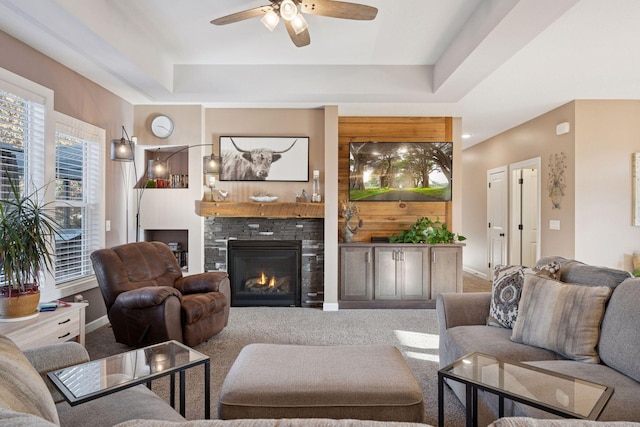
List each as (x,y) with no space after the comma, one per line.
(207,390)
(440,400)
(182,393)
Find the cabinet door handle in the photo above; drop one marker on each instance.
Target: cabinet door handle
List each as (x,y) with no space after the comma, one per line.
(401,253)
(367,257)
(65,335)
(433,256)
(64,321)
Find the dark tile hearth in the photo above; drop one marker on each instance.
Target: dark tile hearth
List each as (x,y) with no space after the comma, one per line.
(310,233)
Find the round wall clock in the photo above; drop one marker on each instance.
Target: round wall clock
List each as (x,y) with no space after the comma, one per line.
(162,126)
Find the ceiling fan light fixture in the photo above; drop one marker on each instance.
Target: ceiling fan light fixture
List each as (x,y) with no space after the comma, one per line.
(299,24)
(270,20)
(288,10)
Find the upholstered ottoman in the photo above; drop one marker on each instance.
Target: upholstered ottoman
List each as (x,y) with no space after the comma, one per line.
(370,382)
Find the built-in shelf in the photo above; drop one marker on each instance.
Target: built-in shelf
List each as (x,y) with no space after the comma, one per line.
(258,210)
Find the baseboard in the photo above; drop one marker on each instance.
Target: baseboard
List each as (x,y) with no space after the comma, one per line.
(98,323)
(330,306)
(475,272)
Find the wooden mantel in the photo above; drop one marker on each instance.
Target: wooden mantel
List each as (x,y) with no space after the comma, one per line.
(258,210)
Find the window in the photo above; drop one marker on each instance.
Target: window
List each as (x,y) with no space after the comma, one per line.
(39,146)
(79,196)
(21,142)
(22,138)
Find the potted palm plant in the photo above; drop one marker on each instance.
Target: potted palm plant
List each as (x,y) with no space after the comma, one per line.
(27,231)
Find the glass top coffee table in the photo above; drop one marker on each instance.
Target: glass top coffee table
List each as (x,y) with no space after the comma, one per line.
(87,381)
(550,391)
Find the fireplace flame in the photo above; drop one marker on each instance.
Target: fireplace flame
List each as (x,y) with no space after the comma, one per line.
(263,279)
(272,282)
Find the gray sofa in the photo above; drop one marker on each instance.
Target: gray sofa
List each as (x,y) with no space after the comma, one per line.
(28,398)
(463,329)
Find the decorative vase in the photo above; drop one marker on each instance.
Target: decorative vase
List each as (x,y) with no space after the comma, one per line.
(556,197)
(347,235)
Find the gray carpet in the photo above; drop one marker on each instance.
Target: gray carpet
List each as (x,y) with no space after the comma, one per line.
(414,332)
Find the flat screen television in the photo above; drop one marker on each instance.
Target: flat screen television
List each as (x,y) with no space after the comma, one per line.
(400,171)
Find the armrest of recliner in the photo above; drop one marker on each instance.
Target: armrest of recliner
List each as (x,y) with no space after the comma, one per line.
(212,281)
(149,296)
(462,309)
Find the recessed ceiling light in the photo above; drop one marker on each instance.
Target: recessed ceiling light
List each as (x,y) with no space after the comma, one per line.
(466,135)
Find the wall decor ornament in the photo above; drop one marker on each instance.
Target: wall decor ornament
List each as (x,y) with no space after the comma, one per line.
(350,211)
(556,182)
(261,158)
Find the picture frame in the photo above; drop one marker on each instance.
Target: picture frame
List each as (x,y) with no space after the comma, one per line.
(400,171)
(264,158)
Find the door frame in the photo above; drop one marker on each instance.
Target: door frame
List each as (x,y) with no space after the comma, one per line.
(536,163)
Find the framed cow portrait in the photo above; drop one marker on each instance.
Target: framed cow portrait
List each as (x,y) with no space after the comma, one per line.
(264,158)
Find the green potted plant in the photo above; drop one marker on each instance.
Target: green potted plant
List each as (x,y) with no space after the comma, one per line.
(27,231)
(427,231)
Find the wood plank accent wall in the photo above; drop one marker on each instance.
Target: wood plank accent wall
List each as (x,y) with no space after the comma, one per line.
(383,219)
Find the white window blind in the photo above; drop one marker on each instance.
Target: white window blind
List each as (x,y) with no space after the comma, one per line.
(78,204)
(21,144)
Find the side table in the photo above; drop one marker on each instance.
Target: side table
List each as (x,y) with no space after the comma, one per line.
(553,392)
(48,327)
(88,381)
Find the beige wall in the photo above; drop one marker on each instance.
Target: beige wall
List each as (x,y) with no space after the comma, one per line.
(80,98)
(269,122)
(595,214)
(536,138)
(607,133)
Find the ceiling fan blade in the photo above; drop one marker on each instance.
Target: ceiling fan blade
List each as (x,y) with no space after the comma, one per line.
(299,40)
(339,9)
(241,16)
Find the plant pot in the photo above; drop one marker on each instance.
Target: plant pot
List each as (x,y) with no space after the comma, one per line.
(20,305)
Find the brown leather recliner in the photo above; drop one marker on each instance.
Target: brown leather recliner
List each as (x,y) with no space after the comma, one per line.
(149,301)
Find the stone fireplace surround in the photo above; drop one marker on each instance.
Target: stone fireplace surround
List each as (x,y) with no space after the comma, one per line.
(219,230)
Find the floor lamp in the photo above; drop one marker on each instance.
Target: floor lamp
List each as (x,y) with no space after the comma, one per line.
(123,150)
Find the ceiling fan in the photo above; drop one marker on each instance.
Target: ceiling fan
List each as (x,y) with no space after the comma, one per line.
(291,13)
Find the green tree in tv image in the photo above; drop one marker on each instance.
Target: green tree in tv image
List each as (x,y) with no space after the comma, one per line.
(407,171)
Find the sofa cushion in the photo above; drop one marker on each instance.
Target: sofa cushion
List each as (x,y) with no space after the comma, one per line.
(623,404)
(620,334)
(505,294)
(127,404)
(533,422)
(572,271)
(21,387)
(269,422)
(461,340)
(564,318)
(507,288)
(20,419)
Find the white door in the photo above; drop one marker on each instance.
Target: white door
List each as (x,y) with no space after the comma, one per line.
(525,212)
(529,217)
(497,214)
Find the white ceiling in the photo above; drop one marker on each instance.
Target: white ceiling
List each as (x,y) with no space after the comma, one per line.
(495,63)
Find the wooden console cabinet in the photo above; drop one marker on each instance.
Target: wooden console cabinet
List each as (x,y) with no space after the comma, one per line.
(49,327)
(387,275)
